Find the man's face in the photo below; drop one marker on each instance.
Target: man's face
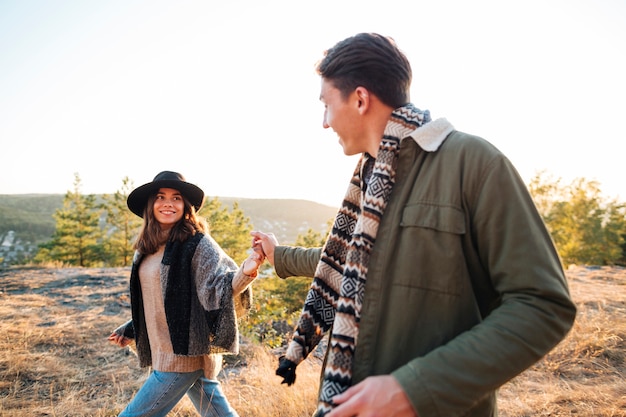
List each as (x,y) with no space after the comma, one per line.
(342,116)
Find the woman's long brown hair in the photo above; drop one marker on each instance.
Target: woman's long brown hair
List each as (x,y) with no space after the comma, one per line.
(151,236)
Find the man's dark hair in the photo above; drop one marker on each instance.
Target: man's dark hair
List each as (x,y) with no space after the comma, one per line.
(372,61)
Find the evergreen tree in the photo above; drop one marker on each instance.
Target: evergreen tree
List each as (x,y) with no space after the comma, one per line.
(230,228)
(122,226)
(586,228)
(312,238)
(546,192)
(616,232)
(77,238)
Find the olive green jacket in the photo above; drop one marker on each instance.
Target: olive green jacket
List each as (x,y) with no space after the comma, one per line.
(465,289)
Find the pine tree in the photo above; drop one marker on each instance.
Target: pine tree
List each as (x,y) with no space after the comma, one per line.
(312,238)
(230,228)
(586,228)
(77,238)
(122,226)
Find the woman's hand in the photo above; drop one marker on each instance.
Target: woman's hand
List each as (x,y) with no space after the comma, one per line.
(120,340)
(248,271)
(266,242)
(253,262)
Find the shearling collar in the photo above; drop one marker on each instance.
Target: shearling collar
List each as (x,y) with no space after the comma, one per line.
(431,135)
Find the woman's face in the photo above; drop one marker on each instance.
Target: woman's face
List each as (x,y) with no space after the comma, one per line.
(168,207)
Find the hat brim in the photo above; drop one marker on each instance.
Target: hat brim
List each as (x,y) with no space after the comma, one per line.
(138,198)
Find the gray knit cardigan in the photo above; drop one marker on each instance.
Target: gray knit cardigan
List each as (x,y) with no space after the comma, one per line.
(200,310)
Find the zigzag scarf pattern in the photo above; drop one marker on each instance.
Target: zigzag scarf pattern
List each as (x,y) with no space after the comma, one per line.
(336,294)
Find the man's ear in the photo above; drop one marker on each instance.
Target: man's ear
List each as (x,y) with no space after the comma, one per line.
(363,99)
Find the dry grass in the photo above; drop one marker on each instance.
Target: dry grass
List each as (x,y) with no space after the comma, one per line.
(585,374)
(55,360)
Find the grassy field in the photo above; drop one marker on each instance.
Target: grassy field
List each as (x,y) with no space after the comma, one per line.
(55,360)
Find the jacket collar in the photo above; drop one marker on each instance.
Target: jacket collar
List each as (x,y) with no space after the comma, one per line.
(431,135)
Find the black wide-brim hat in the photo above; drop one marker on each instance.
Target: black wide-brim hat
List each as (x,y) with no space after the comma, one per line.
(138,198)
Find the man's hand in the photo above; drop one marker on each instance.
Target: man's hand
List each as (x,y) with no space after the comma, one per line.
(267,242)
(374,397)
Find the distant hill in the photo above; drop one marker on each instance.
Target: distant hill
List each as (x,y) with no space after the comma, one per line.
(30,215)
(286,218)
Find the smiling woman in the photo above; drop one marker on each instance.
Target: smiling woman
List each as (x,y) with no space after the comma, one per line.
(168,207)
(186,294)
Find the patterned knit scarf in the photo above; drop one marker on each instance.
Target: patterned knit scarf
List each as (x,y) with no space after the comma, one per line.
(336,294)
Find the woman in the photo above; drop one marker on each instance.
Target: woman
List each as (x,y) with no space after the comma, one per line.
(185,297)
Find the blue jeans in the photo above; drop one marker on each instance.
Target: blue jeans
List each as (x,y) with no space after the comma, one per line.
(163,390)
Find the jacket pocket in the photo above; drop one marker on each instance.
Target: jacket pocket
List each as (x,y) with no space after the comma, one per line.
(429,251)
(443,218)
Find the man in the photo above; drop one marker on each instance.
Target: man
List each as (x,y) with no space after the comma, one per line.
(439,281)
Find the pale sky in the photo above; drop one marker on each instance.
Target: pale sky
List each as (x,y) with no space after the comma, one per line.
(225,91)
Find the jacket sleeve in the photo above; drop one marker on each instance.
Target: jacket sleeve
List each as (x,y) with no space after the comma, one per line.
(511,252)
(296,261)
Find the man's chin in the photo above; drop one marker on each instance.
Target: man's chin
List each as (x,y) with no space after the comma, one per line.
(346,151)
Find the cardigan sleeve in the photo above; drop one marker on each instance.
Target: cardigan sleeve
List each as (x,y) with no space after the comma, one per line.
(242,292)
(241,281)
(127,330)
(213,272)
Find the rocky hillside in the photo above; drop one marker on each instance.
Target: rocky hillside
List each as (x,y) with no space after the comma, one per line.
(55,360)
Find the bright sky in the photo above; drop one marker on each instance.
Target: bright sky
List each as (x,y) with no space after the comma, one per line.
(225,91)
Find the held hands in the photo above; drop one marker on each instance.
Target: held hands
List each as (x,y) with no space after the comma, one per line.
(248,271)
(266,242)
(253,262)
(375,396)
